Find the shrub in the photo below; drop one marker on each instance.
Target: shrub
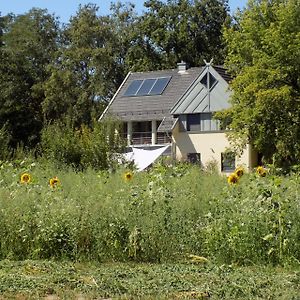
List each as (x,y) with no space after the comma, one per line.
(82,147)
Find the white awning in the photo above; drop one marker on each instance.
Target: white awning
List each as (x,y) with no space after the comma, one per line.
(144,158)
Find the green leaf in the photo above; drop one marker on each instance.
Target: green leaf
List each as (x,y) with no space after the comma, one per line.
(268,237)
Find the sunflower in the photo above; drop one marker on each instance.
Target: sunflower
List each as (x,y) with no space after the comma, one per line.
(128,176)
(261,171)
(54,182)
(25,178)
(232,178)
(239,172)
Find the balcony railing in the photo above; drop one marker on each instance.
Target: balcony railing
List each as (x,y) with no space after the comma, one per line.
(163,138)
(145,138)
(141,138)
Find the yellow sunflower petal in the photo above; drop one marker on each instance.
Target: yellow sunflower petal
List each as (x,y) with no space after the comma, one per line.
(261,171)
(128,176)
(54,182)
(232,178)
(25,178)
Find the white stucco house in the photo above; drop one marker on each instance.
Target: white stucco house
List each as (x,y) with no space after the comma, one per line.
(175,107)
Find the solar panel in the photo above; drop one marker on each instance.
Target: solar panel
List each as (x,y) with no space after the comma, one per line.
(133,88)
(144,87)
(159,86)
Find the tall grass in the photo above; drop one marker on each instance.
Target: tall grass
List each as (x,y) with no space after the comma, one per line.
(160,215)
(4,143)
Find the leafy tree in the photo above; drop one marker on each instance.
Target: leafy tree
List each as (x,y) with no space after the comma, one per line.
(184,30)
(86,72)
(17,110)
(264,57)
(29,42)
(2,26)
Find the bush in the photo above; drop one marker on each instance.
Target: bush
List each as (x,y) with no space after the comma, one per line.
(82,147)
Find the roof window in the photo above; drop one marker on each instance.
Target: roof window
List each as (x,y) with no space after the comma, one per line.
(208,84)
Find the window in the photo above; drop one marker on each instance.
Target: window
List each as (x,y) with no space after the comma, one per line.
(212,80)
(206,121)
(193,122)
(227,161)
(144,87)
(194,158)
(202,122)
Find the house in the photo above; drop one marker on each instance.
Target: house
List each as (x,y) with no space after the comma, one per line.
(176,107)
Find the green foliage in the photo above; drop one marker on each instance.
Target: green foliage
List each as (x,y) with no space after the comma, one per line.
(263,55)
(82,147)
(4,144)
(174,30)
(163,215)
(29,43)
(84,75)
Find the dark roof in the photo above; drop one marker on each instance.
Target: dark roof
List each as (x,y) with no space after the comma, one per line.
(152,107)
(223,72)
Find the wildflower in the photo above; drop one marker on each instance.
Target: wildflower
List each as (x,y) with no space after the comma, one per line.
(239,172)
(261,171)
(232,178)
(25,178)
(128,176)
(54,182)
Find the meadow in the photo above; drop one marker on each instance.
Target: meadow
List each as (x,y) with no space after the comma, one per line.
(179,216)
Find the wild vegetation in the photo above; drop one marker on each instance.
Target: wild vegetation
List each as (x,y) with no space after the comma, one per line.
(199,231)
(162,215)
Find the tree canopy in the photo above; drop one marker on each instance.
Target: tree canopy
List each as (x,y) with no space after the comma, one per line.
(186,30)
(29,43)
(264,57)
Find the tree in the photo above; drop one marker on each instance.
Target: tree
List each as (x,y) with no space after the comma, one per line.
(134,52)
(184,30)
(28,44)
(88,69)
(2,26)
(264,57)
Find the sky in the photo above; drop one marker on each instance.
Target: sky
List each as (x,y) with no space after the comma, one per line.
(64,9)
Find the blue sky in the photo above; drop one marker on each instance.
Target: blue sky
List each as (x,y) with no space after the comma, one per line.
(66,8)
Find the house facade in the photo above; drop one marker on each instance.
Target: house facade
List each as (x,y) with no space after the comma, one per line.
(175,107)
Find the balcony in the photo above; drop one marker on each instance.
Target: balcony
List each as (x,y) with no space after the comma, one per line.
(145,138)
